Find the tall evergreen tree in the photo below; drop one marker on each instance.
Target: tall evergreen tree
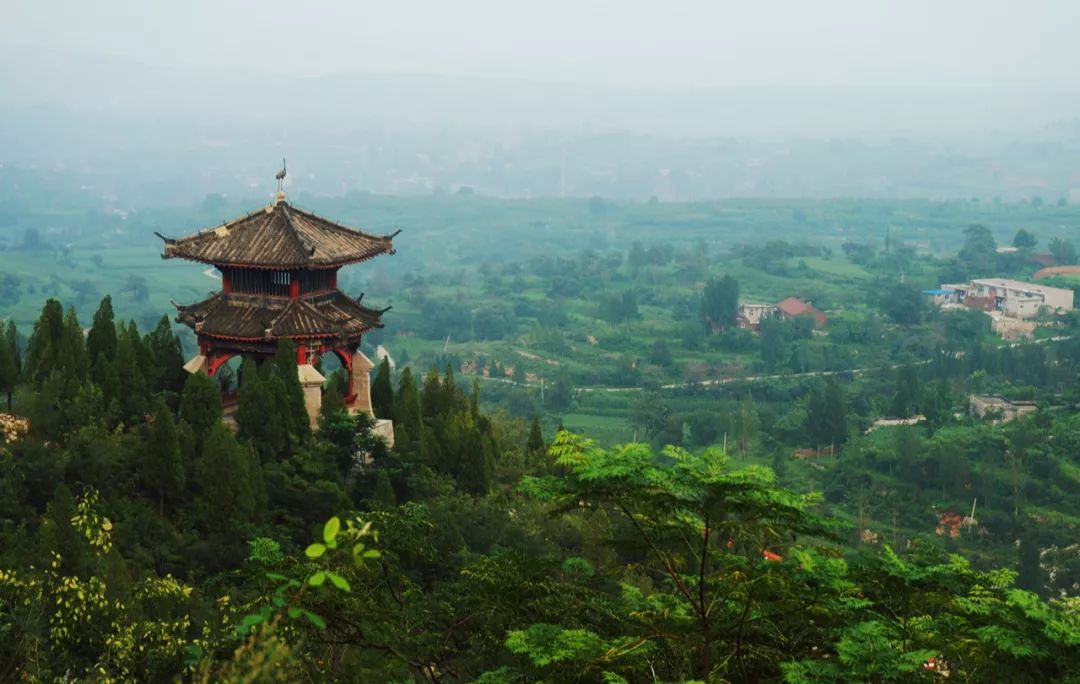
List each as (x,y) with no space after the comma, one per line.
(132,400)
(11,337)
(382,391)
(227,480)
(772,343)
(163,467)
(101,341)
(262,414)
(407,417)
(906,400)
(200,406)
(289,394)
(9,372)
(826,416)
(167,359)
(535,443)
(74,347)
(720,302)
(431,396)
(44,352)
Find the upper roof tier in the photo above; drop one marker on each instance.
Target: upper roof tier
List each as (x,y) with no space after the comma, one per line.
(279,237)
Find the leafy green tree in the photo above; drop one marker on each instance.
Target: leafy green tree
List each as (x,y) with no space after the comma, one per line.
(1064,251)
(163,468)
(692,522)
(907,398)
(1024,240)
(773,352)
(979,251)
(903,303)
(826,415)
(720,302)
(382,391)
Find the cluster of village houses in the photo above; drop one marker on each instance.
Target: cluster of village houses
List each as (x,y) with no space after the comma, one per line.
(1011,304)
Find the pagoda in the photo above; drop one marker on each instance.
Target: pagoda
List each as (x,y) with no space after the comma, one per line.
(279,269)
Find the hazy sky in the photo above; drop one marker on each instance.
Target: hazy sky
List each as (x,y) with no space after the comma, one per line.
(659,43)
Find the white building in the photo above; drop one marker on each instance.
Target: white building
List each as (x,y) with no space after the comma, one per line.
(1018,299)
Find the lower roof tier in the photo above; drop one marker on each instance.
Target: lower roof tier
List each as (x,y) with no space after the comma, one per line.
(240,316)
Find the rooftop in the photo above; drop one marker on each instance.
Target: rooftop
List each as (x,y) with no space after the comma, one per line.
(1010,284)
(253,317)
(279,236)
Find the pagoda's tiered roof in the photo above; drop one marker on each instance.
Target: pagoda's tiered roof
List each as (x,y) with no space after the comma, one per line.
(252,317)
(279,237)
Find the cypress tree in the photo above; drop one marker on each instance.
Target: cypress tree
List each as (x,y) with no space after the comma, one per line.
(382,391)
(133,397)
(45,347)
(262,414)
(407,420)
(431,402)
(227,479)
(167,359)
(163,468)
(535,444)
(101,341)
(474,469)
(290,394)
(383,496)
(200,407)
(11,337)
(73,348)
(9,372)
(333,402)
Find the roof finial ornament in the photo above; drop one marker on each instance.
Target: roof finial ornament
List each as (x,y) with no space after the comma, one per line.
(280,177)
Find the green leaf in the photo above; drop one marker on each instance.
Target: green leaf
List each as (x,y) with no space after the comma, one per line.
(371,553)
(250,621)
(315,620)
(294,613)
(315,550)
(339,582)
(331,529)
(276,576)
(317,579)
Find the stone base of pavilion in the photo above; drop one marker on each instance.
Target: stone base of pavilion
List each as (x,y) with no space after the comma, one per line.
(311,380)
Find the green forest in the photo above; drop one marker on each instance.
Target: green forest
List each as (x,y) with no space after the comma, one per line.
(597,475)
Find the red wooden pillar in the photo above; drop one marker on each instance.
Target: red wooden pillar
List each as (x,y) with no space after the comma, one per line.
(345,355)
(333,279)
(301,353)
(294,285)
(226,280)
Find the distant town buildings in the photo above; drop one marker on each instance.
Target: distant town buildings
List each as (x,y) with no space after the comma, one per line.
(998,407)
(1012,304)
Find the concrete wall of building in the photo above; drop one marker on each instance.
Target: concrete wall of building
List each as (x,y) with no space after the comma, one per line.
(311,381)
(361,374)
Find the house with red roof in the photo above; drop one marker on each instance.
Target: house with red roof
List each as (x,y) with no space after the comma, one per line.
(793,308)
